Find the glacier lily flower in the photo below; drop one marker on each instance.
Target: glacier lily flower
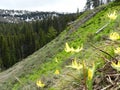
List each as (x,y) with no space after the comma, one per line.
(117,50)
(75,65)
(57,72)
(40,84)
(116,66)
(114,36)
(67,48)
(112,16)
(56,60)
(71,49)
(78,49)
(91,72)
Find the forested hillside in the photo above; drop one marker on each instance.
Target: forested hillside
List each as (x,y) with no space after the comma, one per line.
(18,40)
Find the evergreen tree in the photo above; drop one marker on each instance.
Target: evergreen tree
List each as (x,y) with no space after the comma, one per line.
(88,4)
(51,33)
(42,37)
(6,54)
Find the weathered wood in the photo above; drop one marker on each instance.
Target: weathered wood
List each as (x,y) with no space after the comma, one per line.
(102,28)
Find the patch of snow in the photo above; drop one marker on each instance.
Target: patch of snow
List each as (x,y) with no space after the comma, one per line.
(4,17)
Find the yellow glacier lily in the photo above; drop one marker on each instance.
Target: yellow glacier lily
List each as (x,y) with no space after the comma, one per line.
(71,49)
(67,48)
(116,66)
(117,50)
(91,72)
(112,16)
(78,49)
(57,72)
(75,65)
(114,36)
(40,84)
(56,60)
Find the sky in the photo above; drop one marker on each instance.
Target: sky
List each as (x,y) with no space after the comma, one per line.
(43,5)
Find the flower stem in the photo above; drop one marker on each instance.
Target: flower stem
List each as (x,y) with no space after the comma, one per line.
(84,73)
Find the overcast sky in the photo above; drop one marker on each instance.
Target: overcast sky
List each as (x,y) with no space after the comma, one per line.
(43,5)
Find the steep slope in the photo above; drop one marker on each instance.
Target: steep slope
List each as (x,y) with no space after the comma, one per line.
(43,63)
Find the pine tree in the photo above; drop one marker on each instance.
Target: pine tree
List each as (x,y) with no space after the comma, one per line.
(5,53)
(51,33)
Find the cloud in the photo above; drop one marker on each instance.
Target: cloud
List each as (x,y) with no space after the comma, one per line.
(43,5)
(62,6)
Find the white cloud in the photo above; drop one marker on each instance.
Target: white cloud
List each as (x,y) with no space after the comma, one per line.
(43,5)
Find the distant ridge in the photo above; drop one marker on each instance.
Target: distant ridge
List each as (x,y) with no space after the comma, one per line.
(17,16)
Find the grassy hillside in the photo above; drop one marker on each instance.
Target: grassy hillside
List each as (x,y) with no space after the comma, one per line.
(97,49)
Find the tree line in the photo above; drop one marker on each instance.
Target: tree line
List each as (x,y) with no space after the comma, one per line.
(18,40)
(95,3)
